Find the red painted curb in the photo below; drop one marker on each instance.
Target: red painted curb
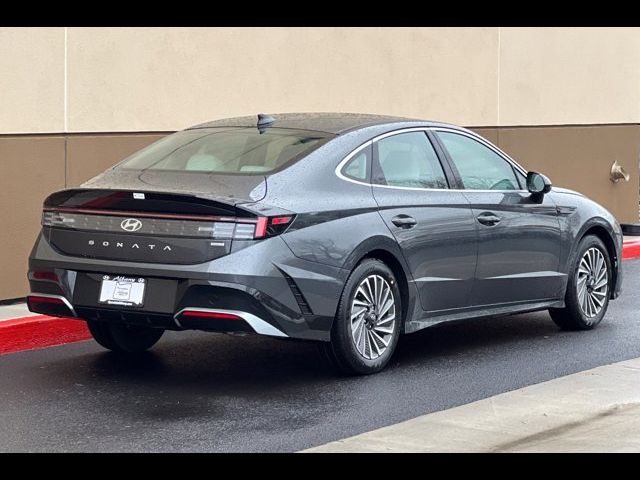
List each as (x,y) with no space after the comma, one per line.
(631,249)
(40,331)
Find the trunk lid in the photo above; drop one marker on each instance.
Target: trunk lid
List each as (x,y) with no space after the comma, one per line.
(155,217)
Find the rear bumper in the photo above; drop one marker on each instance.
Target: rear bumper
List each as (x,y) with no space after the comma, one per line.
(268,289)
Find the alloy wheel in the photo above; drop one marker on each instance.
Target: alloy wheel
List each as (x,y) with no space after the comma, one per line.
(592,282)
(373,317)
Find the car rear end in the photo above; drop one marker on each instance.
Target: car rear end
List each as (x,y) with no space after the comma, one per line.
(177,237)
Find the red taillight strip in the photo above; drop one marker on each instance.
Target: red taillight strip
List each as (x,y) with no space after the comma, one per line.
(280,220)
(39,299)
(218,315)
(261,227)
(44,276)
(169,216)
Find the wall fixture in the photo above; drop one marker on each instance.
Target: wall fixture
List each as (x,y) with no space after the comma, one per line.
(618,173)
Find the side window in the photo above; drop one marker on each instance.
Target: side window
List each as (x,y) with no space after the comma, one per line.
(357,167)
(480,168)
(408,160)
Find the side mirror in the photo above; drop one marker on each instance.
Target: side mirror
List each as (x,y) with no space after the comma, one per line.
(538,184)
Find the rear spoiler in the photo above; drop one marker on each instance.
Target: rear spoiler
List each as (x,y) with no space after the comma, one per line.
(142,202)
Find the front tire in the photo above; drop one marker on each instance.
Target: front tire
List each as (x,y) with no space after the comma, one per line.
(367,326)
(588,288)
(122,338)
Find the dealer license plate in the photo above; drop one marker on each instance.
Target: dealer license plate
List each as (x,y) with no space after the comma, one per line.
(126,291)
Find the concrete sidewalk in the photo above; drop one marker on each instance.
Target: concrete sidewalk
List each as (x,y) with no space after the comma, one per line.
(15,310)
(592,411)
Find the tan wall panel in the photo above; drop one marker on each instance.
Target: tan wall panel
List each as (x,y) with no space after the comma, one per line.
(32,167)
(31,80)
(580,158)
(141,79)
(569,75)
(490,134)
(89,155)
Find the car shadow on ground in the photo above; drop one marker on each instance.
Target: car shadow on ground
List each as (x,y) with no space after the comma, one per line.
(257,383)
(213,361)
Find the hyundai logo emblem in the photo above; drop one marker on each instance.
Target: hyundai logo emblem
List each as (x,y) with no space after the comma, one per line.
(131,225)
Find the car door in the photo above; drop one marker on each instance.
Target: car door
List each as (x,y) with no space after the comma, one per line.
(432,224)
(518,235)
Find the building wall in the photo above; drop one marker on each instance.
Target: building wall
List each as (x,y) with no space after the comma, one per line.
(564,101)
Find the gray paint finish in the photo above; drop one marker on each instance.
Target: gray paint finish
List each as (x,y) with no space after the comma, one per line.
(454,267)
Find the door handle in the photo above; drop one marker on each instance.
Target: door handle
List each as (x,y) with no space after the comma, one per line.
(404,221)
(488,218)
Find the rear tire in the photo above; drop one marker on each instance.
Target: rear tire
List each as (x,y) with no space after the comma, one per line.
(122,338)
(367,326)
(588,287)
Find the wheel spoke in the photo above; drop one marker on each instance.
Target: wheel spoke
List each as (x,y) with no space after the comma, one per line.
(388,319)
(598,302)
(382,340)
(358,313)
(385,298)
(360,303)
(372,339)
(600,284)
(386,308)
(356,325)
(378,328)
(582,297)
(375,291)
(592,306)
(367,296)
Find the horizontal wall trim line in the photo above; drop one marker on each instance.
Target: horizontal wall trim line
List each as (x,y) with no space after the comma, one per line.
(167,132)
(559,125)
(84,134)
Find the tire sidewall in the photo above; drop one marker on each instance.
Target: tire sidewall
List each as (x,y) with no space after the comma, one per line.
(341,337)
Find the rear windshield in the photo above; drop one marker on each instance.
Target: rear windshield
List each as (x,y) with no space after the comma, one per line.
(226,150)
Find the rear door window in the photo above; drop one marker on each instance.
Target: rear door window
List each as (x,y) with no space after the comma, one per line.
(408,160)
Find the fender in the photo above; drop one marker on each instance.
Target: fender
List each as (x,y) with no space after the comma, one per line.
(378,242)
(604,224)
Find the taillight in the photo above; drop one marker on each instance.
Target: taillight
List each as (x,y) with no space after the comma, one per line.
(270,226)
(44,276)
(210,314)
(204,226)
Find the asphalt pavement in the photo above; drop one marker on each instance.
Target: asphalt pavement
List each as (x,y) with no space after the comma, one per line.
(204,392)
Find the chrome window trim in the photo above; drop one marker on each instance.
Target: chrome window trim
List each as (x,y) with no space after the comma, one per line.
(478,138)
(259,325)
(346,159)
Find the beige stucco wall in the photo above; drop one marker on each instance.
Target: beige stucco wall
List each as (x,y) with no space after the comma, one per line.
(170,78)
(556,76)
(159,79)
(31,80)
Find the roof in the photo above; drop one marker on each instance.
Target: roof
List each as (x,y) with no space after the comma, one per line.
(323,121)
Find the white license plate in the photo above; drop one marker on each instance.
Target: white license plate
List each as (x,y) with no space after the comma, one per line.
(124,291)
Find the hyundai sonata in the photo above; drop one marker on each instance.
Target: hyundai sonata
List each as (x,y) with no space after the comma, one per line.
(344,229)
